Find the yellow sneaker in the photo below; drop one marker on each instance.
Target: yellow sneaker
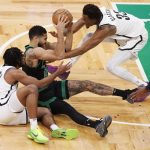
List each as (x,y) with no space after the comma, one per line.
(68,134)
(37,136)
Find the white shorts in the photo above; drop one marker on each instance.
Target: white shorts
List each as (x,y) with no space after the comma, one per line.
(13,112)
(133,45)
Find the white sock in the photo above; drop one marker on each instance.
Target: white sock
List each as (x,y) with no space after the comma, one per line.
(54,127)
(33,123)
(139,82)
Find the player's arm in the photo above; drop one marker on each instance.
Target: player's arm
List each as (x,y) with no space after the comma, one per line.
(47,55)
(75,27)
(51,46)
(78,25)
(69,38)
(68,41)
(22,77)
(98,36)
(59,46)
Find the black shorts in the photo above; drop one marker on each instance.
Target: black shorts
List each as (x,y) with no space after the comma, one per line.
(57,90)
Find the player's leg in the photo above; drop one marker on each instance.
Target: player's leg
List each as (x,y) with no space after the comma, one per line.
(128,51)
(47,96)
(46,118)
(114,67)
(61,107)
(28,96)
(77,86)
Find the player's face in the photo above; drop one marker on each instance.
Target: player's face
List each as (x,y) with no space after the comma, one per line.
(88,22)
(42,40)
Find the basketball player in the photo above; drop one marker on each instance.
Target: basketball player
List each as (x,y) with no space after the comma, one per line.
(127,31)
(13,100)
(53,95)
(54,51)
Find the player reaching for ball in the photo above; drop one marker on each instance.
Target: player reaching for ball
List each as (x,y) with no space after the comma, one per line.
(67,31)
(43,50)
(126,30)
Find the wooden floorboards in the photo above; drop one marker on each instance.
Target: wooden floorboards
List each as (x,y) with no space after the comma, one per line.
(17,16)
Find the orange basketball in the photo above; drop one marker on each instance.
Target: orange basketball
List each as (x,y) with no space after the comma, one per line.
(59,12)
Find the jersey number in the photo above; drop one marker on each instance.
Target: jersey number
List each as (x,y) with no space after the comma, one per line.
(122,15)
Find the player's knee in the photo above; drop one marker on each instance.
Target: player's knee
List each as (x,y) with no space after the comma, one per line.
(32,88)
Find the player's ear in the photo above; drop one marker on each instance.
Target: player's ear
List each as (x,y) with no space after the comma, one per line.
(35,38)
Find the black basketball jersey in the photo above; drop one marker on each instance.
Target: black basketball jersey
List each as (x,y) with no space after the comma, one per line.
(40,71)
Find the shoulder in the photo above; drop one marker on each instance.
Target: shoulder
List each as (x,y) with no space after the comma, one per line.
(33,52)
(14,71)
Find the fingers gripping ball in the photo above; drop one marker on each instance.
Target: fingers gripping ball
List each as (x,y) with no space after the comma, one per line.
(61,12)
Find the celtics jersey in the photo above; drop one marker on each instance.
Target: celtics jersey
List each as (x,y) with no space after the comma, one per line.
(40,71)
(127,25)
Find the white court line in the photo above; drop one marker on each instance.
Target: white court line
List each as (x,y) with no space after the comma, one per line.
(123,123)
(141,70)
(137,61)
(4,46)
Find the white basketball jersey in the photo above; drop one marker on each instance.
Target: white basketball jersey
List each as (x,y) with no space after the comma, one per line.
(127,25)
(5,89)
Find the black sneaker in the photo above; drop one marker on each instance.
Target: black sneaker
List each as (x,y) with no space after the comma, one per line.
(102,127)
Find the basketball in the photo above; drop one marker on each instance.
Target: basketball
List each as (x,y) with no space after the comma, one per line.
(61,12)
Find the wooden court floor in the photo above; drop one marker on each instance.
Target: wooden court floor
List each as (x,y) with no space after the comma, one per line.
(17,16)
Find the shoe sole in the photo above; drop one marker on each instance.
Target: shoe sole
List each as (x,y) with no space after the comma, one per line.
(35,140)
(103,126)
(69,134)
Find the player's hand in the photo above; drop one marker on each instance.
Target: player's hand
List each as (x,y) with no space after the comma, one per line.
(62,22)
(63,68)
(67,29)
(139,95)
